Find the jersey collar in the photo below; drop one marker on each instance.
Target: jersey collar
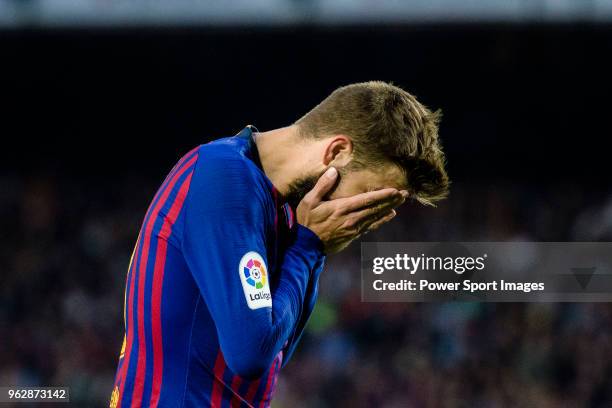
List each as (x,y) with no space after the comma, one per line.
(250,148)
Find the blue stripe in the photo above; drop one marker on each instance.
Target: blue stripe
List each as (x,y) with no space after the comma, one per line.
(133,262)
(243,389)
(227,394)
(126,398)
(261,392)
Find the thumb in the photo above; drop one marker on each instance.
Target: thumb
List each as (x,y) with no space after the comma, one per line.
(323,186)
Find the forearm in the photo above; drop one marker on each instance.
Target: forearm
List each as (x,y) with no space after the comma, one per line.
(267,336)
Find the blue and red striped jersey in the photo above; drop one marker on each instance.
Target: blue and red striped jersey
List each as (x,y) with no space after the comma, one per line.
(220,285)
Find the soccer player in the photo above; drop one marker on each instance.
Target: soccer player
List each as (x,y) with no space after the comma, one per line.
(225,271)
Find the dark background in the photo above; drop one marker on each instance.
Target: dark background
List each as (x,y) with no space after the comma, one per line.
(94,118)
(511,94)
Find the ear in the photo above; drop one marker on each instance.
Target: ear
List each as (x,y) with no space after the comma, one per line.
(338,152)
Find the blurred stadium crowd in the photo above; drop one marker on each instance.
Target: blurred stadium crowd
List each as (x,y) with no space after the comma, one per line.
(15,13)
(66,246)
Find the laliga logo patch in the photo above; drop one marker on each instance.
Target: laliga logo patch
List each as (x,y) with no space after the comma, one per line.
(254,278)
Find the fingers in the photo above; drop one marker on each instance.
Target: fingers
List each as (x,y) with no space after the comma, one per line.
(374,212)
(369,199)
(323,186)
(374,222)
(383,220)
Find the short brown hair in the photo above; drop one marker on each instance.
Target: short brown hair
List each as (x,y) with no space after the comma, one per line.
(385,124)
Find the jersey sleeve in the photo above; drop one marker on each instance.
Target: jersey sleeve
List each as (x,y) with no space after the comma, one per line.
(224,244)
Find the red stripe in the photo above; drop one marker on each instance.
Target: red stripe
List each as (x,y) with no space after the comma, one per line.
(180,162)
(278,367)
(142,351)
(158,280)
(173,171)
(236,400)
(217,389)
(130,332)
(178,165)
(250,395)
(275,195)
(264,398)
(291,216)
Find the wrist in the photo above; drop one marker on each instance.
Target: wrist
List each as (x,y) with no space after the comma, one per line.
(308,239)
